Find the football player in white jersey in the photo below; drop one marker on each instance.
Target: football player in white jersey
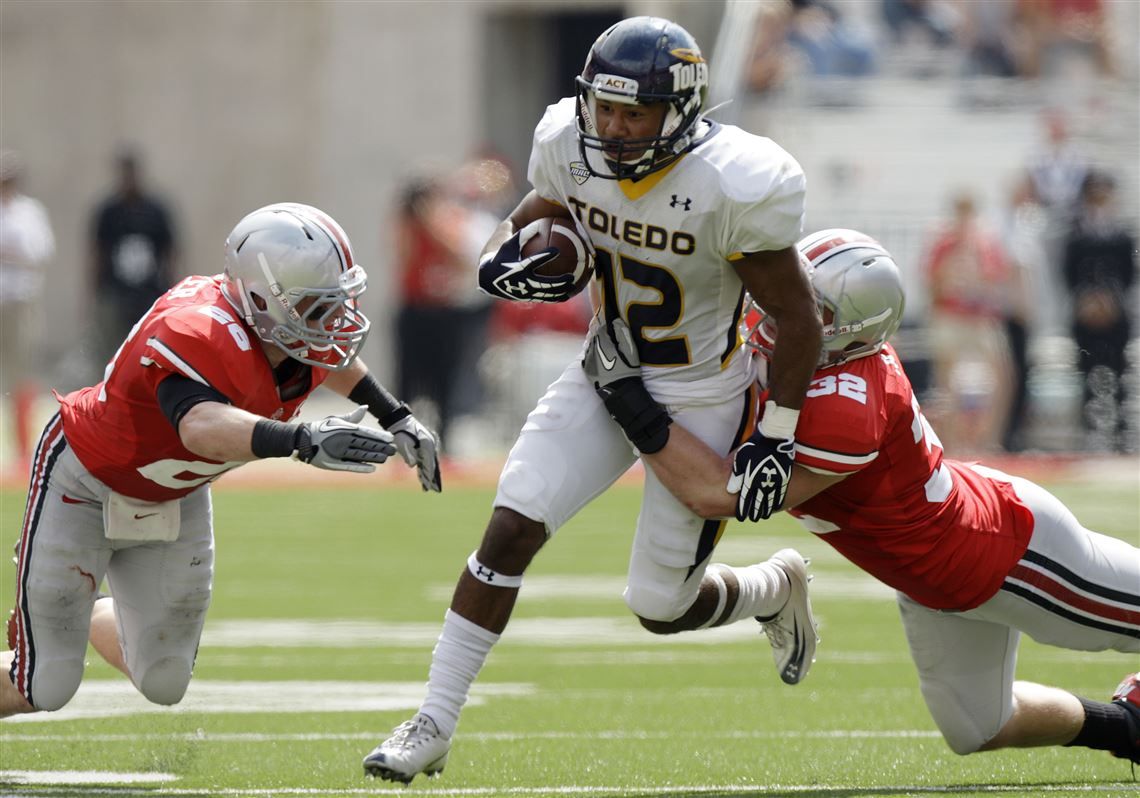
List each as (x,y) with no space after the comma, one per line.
(682,216)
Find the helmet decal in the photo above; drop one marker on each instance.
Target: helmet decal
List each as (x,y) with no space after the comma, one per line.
(685,54)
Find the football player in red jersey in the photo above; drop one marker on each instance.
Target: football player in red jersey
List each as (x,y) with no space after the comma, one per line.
(976,556)
(208,379)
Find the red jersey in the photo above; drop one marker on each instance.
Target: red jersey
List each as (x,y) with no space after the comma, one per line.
(117,429)
(932,528)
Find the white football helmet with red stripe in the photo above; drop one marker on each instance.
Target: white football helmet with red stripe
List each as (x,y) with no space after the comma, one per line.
(290,274)
(859,291)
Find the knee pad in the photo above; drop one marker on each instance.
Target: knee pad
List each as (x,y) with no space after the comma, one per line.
(165,681)
(653,605)
(54,683)
(959,729)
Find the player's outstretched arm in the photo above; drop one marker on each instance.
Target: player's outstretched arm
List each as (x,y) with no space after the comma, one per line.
(218,431)
(685,464)
(697,475)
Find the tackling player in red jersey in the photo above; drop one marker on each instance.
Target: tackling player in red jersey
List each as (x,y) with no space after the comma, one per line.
(976,556)
(210,378)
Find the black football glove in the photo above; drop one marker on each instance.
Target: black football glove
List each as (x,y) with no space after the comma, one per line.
(506,274)
(761,470)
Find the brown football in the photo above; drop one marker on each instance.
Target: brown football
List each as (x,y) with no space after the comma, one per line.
(557,232)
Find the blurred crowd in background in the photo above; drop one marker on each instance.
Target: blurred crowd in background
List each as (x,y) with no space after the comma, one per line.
(1000,38)
(993,374)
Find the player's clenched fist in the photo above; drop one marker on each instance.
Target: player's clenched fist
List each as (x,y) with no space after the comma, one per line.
(509,274)
(761,469)
(339,443)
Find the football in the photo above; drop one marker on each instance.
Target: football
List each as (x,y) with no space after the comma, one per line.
(574,255)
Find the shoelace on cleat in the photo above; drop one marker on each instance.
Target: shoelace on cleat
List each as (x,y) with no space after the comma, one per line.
(407,735)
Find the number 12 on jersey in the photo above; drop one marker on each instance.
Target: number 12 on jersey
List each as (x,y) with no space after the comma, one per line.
(661,315)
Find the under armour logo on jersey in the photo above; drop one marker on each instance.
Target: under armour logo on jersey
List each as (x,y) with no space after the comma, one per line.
(684,204)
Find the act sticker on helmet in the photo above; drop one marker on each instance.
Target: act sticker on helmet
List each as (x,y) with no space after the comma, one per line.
(615,88)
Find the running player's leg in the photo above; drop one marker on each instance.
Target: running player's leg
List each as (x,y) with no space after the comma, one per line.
(568,452)
(671,585)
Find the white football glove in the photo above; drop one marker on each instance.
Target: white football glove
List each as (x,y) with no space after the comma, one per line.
(419,447)
(339,443)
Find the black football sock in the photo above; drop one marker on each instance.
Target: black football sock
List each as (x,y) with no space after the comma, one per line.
(1106,728)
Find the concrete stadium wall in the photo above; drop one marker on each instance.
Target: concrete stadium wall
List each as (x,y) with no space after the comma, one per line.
(235,105)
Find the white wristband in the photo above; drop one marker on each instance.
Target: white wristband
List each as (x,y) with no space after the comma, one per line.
(778,423)
(492,578)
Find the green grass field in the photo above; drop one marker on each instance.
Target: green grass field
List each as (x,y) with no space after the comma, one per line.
(326,606)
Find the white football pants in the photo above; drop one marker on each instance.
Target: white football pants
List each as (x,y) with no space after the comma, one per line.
(570,451)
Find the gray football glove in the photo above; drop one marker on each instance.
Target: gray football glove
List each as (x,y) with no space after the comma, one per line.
(339,443)
(419,447)
(610,358)
(613,367)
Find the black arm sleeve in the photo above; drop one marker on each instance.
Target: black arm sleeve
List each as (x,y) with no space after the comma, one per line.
(177,394)
(387,409)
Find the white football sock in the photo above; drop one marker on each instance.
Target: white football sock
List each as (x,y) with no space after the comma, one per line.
(713,575)
(458,656)
(763,591)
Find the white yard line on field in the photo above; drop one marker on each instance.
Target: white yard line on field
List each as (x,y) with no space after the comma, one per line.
(641,792)
(117,698)
(623,734)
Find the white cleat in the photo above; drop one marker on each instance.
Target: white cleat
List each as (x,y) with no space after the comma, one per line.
(792,631)
(416,746)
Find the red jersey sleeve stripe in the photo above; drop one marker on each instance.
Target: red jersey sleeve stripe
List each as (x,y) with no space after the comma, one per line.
(840,460)
(176,361)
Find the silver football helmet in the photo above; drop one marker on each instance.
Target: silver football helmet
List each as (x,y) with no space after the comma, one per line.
(290,274)
(859,291)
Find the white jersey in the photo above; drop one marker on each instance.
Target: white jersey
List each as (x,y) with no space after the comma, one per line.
(665,245)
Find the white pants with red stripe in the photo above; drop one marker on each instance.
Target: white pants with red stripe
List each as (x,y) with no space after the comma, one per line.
(161,590)
(1073,589)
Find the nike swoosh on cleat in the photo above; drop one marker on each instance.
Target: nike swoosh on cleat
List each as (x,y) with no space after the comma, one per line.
(797,650)
(139,517)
